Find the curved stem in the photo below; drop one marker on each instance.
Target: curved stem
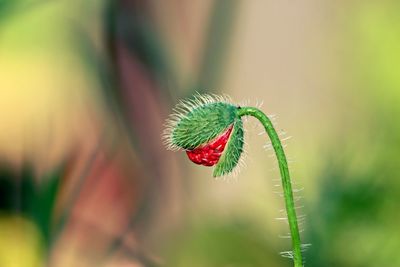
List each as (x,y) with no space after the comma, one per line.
(286,184)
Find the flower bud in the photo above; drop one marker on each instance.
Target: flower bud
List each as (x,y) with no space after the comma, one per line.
(210,130)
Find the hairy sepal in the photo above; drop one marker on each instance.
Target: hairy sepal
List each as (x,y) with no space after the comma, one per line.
(233,151)
(203,124)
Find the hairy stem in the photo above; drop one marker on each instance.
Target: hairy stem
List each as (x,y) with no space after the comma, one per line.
(286,184)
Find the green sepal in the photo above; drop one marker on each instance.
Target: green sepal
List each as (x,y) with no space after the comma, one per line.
(233,150)
(203,124)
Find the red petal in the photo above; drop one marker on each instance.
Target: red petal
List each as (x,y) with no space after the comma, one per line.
(209,154)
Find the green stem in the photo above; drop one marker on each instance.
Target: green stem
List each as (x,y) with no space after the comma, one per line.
(286,184)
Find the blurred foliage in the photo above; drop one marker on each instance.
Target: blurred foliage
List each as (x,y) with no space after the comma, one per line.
(142,39)
(377,50)
(354,220)
(352,223)
(12,7)
(216,47)
(212,243)
(345,212)
(136,32)
(21,194)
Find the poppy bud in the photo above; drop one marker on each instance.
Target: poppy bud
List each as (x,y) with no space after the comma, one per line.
(210,130)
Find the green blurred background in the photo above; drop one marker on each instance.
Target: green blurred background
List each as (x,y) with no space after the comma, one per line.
(85,87)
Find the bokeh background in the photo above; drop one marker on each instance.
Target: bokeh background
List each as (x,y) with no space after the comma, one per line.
(85,87)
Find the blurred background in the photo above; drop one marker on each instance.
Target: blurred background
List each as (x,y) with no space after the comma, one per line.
(85,87)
